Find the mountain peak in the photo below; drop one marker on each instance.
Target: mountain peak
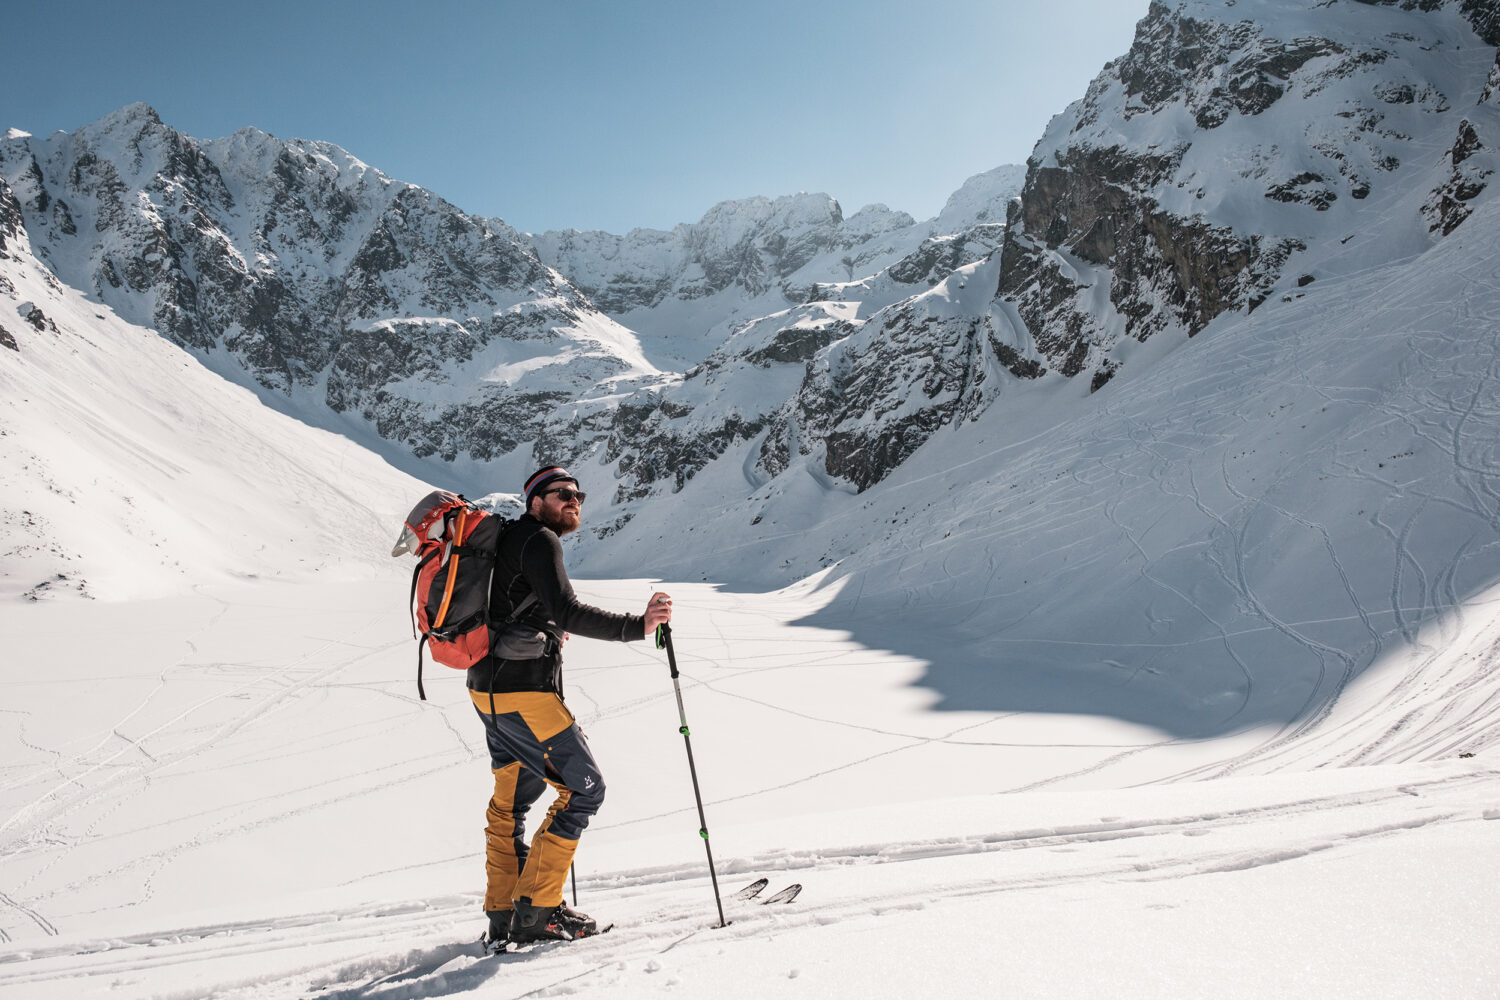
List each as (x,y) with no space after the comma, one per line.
(131,114)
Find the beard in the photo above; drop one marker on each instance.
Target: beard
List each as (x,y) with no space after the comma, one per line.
(562,522)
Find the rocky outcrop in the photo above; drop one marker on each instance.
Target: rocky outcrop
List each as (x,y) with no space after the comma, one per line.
(318,276)
(11,219)
(869,400)
(1145,192)
(664,435)
(1471,164)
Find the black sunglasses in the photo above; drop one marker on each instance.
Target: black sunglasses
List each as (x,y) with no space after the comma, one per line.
(566,494)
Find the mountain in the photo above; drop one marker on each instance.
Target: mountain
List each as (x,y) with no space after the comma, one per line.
(1236,152)
(129,470)
(452,344)
(1236,155)
(1230,515)
(687,290)
(352,300)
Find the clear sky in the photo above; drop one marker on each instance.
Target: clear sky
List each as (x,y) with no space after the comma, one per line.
(589,114)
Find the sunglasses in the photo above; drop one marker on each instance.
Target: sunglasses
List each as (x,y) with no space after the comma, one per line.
(566,495)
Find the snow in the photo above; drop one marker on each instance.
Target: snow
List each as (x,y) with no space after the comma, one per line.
(255,805)
(996,760)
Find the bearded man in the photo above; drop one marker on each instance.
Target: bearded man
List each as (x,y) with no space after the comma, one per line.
(533,739)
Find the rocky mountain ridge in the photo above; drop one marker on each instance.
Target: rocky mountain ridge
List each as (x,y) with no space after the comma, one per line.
(1237,152)
(331,288)
(1232,144)
(358,302)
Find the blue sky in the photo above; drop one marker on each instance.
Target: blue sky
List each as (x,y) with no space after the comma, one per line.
(584,113)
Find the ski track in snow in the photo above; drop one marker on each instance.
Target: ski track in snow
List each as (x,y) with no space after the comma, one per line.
(106,776)
(666,911)
(1445,398)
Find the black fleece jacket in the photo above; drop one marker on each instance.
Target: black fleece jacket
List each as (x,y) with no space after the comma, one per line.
(530,561)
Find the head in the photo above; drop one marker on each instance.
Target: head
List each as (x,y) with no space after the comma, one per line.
(544,503)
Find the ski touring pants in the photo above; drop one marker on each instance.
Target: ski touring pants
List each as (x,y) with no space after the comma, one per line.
(534,742)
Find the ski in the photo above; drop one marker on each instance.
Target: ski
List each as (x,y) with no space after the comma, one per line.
(753,889)
(785,895)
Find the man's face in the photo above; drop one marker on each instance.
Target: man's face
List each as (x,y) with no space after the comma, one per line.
(560,515)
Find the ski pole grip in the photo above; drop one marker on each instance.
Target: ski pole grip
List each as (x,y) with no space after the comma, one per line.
(664,641)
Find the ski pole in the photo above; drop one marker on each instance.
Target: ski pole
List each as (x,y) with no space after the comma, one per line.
(664,641)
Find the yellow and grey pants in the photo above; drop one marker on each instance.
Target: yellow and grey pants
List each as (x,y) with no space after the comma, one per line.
(534,742)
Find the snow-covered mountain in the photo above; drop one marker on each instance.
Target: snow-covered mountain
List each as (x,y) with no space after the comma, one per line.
(449,343)
(687,290)
(129,470)
(1241,152)
(1238,154)
(355,301)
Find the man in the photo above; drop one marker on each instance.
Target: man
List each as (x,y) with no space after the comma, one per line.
(533,739)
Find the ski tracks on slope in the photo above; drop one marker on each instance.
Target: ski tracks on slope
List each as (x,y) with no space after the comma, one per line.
(110,774)
(429,948)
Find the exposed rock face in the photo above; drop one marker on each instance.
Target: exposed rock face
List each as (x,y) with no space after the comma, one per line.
(869,400)
(11,219)
(1472,164)
(318,276)
(1146,188)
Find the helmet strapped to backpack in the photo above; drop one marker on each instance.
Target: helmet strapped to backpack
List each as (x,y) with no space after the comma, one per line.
(455,543)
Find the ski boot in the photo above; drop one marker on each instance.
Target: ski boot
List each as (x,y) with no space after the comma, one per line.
(549,923)
(497,935)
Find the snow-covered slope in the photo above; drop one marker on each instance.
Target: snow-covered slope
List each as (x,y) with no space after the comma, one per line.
(129,470)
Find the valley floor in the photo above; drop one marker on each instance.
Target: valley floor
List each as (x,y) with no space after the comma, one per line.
(240,796)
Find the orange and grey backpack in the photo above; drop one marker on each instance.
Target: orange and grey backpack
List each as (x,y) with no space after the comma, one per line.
(455,543)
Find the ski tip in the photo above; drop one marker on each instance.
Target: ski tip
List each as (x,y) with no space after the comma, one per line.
(753,889)
(786,895)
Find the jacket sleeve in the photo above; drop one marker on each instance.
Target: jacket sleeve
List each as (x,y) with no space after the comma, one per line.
(542,566)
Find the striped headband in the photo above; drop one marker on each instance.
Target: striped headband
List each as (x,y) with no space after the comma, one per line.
(545,477)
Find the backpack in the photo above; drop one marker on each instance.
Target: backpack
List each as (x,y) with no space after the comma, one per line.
(455,543)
